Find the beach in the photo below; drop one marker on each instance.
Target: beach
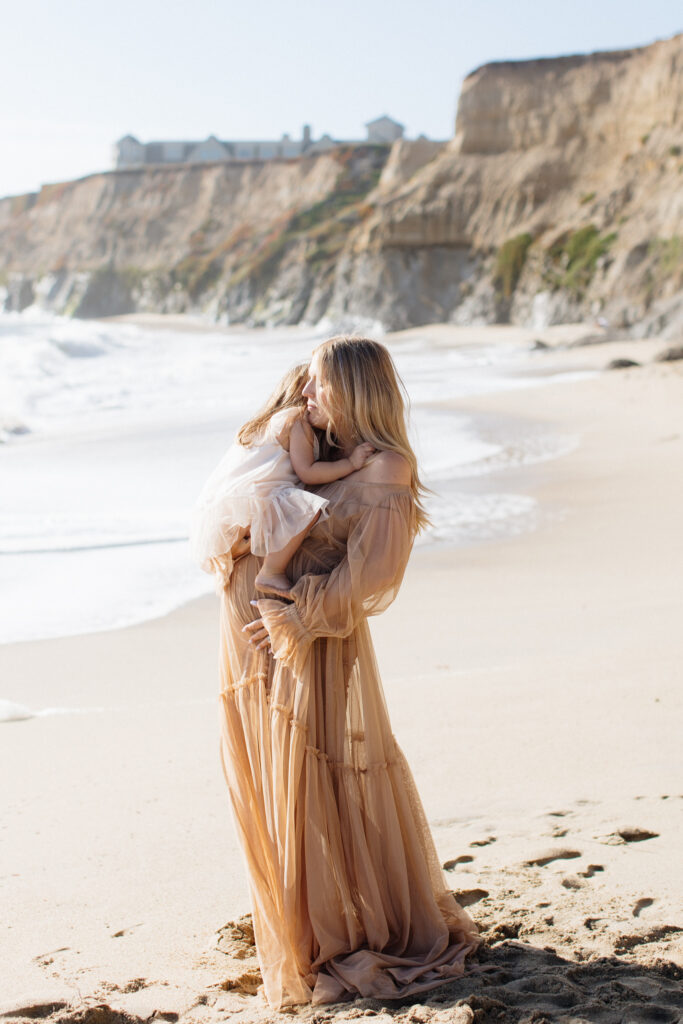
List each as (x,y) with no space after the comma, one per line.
(533,681)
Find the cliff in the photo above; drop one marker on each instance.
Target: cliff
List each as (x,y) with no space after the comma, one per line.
(223,238)
(560,197)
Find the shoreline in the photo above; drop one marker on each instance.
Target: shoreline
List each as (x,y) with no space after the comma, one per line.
(533,683)
(467,509)
(520,445)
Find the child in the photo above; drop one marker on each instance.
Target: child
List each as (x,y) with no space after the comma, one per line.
(256,489)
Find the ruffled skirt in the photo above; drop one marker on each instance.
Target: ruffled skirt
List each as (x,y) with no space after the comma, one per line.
(348,896)
(272,516)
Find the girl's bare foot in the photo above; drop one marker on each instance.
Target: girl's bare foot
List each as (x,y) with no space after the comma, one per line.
(274,583)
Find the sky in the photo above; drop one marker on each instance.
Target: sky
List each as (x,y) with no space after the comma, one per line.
(76,76)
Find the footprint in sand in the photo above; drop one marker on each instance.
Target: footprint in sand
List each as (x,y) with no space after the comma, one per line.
(591,870)
(135,984)
(636,835)
(627,942)
(483,842)
(45,959)
(248,983)
(35,1011)
(641,905)
(464,858)
(125,931)
(627,834)
(548,856)
(466,897)
(236,939)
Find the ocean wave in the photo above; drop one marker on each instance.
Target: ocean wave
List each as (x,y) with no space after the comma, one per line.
(10,546)
(12,711)
(78,349)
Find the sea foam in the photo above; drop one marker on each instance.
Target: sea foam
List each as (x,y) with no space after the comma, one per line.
(122,424)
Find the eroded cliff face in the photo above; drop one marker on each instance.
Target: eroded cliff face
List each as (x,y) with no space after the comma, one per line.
(560,197)
(226,238)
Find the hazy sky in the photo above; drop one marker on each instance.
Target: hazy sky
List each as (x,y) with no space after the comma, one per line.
(76,75)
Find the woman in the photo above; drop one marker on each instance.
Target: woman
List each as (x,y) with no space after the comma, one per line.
(348,896)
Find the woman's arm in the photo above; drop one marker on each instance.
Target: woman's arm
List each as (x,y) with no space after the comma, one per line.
(364,583)
(311,472)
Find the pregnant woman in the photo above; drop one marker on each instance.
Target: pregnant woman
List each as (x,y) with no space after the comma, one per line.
(348,896)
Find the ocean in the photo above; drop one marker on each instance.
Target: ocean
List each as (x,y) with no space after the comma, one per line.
(108,431)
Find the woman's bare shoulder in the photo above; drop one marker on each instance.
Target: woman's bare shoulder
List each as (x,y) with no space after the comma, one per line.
(387,468)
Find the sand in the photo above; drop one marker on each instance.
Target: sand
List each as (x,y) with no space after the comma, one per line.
(534,684)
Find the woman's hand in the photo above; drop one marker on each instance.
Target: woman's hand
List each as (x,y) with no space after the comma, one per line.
(259,637)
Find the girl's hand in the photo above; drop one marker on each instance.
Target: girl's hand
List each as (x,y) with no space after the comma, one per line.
(360,455)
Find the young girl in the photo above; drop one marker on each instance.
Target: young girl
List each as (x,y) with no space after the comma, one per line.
(256,489)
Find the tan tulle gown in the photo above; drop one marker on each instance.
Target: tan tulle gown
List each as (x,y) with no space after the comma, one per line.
(348,896)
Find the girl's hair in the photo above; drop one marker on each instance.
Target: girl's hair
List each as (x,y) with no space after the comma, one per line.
(287,395)
(368,402)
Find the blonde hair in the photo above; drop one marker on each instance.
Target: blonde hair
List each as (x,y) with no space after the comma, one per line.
(368,402)
(287,395)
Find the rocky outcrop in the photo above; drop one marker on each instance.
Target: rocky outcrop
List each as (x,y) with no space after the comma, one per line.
(178,237)
(559,197)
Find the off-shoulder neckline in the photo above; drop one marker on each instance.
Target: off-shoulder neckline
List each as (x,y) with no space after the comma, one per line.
(366,483)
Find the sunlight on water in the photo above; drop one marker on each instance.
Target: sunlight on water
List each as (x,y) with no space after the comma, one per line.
(110,430)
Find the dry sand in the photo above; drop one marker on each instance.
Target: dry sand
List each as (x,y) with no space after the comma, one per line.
(534,684)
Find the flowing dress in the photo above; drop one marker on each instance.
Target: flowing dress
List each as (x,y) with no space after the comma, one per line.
(348,896)
(255,488)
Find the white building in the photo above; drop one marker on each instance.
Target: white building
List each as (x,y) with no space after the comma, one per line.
(130,152)
(384,129)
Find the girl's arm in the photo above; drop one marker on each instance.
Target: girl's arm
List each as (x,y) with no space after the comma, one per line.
(363,583)
(311,472)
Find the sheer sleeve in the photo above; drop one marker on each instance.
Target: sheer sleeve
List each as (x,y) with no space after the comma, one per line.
(364,583)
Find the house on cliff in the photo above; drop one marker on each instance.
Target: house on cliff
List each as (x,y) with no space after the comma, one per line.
(130,152)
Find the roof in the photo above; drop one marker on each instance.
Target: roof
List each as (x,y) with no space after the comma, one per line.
(384,119)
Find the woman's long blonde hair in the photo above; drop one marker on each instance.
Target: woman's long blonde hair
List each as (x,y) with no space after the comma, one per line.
(369,402)
(287,395)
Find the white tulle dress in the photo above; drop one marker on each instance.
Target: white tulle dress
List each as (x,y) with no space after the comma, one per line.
(254,489)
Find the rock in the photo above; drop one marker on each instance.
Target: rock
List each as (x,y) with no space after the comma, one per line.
(621,364)
(19,293)
(107,294)
(669,354)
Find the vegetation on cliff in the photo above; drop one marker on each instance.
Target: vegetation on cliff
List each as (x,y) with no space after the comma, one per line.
(559,198)
(574,258)
(510,261)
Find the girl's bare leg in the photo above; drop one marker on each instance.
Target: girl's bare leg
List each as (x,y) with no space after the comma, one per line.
(272,577)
